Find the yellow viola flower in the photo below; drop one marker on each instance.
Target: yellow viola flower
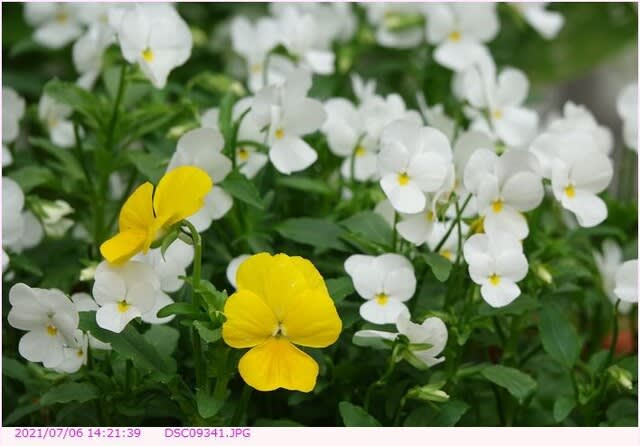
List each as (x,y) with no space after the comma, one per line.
(147,213)
(280,301)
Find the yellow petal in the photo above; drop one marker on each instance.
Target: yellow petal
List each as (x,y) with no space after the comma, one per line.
(124,245)
(278,363)
(313,321)
(310,273)
(253,272)
(137,211)
(180,194)
(249,320)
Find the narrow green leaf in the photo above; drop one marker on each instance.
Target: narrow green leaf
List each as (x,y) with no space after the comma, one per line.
(340,288)
(68,163)
(305,184)
(180,308)
(80,100)
(558,336)
(151,165)
(30,177)
(64,393)
(443,415)
(316,232)
(243,189)
(562,407)
(519,384)
(440,266)
(356,416)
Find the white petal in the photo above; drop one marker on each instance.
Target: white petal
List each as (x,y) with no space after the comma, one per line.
(523,191)
(161,301)
(368,280)
(512,265)
(481,163)
(416,228)
(232,269)
(500,295)
(356,261)
(516,126)
(407,198)
(593,174)
(589,209)
(291,154)
(547,23)
(400,284)
(627,281)
(508,220)
(428,170)
(39,346)
(111,318)
(320,62)
(457,55)
(388,313)
(253,165)
(142,295)
(512,88)
(84,302)
(109,287)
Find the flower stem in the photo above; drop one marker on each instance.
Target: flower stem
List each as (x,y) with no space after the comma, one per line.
(614,336)
(453,225)
(116,107)
(241,408)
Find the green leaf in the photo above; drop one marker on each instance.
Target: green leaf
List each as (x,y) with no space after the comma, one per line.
(519,384)
(623,412)
(207,334)
(443,415)
(440,266)
(82,101)
(24,263)
(151,165)
(317,232)
(163,338)
(146,120)
(64,393)
(20,413)
(67,162)
(132,345)
(305,184)
(207,404)
(562,407)
(356,416)
(371,226)
(181,308)
(340,288)
(523,304)
(241,188)
(267,422)
(15,370)
(558,336)
(225,118)
(30,177)
(214,298)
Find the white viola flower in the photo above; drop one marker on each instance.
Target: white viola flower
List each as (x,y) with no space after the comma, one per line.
(55,116)
(608,263)
(202,148)
(449,249)
(347,138)
(334,21)
(496,263)
(627,106)
(20,228)
(248,158)
(154,36)
(432,331)
(88,51)
(232,268)
(254,42)
(50,319)
(384,16)
(171,266)
(362,90)
(289,115)
(417,228)
(578,172)
(501,97)
(459,31)
(124,292)
(412,162)
(151,316)
(385,282)
(378,112)
(547,23)
(13,107)
(75,354)
(57,24)
(300,35)
(627,281)
(504,187)
(84,302)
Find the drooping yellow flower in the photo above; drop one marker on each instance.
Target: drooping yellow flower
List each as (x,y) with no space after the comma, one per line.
(280,301)
(147,213)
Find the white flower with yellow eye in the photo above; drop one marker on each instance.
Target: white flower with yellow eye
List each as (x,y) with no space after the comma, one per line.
(385,282)
(412,162)
(154,36)
(85,302)
(170,266)
(627,107)
(459,31)
(504,187)
(124,293)
(384,16)
(50,319)
(289,114)
(202,148)
(55,117)
(496,263)
(57,23)
(75,353)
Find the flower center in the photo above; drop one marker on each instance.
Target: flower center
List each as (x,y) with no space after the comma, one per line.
(494,279)
(570,191)
(52,330)
(147,55)
(256,68)
(455,36)
(62,17)
(429,216)
(243,154)
(80,353)
(497,114)
(477,226)
(360,151)
(279,331)
(123,306)
(497,206)
(447,254)
(279,133)
(403,179)
(382,299)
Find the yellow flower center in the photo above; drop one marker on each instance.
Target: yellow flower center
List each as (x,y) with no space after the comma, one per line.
(279,133)
(403,179)
(62,17)
(243,154)
(570,191)
(429,216)
(147,55)
(477,226)
(256,68)
(382,299)
(51,330)
(80,353)
(494,279)
(497,206)
(123,306)
(446,254)
(497,114)
(360,151)
(455,36)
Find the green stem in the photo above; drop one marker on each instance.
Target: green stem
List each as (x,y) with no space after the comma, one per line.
(116,107)
(394,240)
(496,393)
(614,337)
(241,408)
(453,225)
(385,376)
